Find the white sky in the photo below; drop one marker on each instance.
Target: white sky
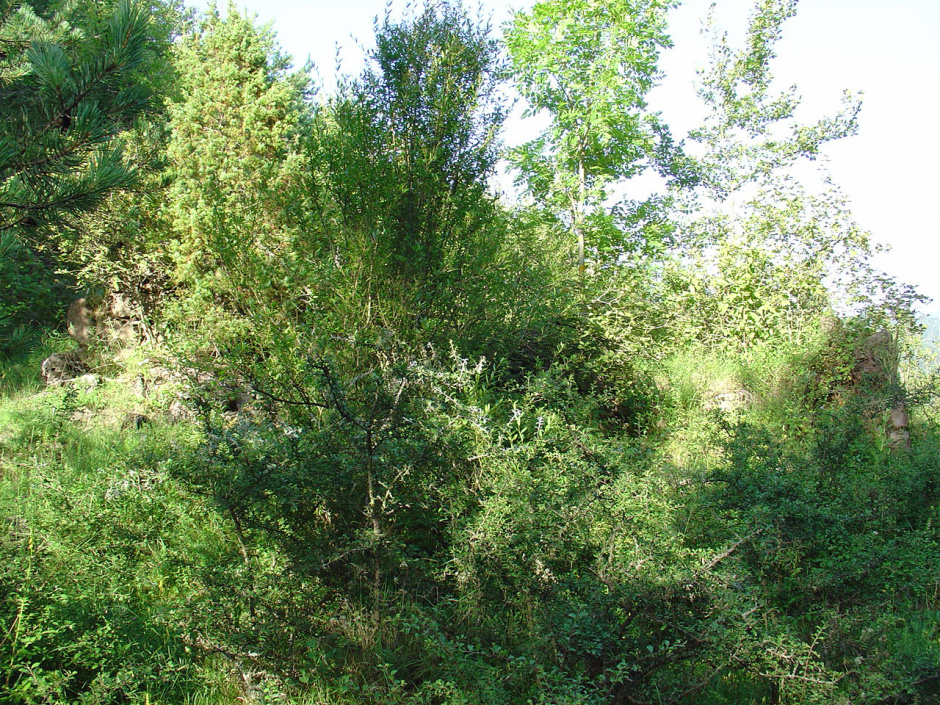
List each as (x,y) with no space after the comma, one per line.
(889,49)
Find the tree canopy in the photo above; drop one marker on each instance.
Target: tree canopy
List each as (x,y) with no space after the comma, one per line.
(589,65)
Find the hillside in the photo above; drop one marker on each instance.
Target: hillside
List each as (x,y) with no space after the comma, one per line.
(294,408)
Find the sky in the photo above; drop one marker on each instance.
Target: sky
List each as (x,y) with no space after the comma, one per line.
(887,49)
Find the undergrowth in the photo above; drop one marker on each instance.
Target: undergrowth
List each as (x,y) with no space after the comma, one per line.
(522,549)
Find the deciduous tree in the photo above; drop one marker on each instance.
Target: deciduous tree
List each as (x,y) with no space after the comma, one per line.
(589,65)
(415,143)
(772,239)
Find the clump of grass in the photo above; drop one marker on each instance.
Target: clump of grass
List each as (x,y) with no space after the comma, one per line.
(22,374)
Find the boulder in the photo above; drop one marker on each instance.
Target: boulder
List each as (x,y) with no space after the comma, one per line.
(898,434)
(120,307)
(111,319)
(81,321)
(59,368)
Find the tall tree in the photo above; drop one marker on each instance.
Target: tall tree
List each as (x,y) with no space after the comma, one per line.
(773,239)
(234,158)
(415,143)
(589,65)
(67,90)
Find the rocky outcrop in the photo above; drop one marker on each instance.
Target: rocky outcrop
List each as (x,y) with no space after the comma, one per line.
(81,321)
(60,368)
(106,327)
(111,319)
(876,373)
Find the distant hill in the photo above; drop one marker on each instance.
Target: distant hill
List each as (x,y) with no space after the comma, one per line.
(932,323)
(931,335)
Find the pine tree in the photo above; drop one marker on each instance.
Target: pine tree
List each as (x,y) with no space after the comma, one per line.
(235,159)
(66,91)
(64,96)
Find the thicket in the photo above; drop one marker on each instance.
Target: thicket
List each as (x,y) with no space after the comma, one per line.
(393,438)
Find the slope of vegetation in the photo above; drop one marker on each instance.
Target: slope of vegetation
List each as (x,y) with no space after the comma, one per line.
(344,426)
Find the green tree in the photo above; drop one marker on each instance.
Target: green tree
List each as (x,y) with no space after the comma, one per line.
(67,91)
(235,161)
(64,97)
(750,134)
(589,65)
(414,142)
(770,238)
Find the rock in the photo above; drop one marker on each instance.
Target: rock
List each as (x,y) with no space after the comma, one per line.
(62,367)
(120,307)
(81,416)
(731,400)
(876,360)
(160,375)
(180,412)
(898,434)
(112,319)
(124,334)
(81,321)
(127,333)
(88,381)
